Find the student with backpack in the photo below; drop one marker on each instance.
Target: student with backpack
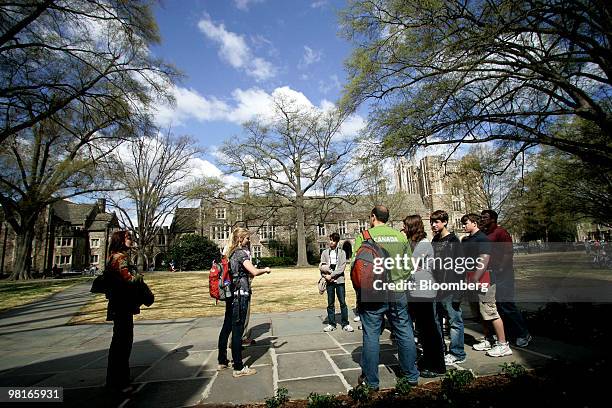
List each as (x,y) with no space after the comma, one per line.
(383,242)
(236,306)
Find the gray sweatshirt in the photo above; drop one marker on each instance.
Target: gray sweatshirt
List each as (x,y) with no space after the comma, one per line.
(338,273)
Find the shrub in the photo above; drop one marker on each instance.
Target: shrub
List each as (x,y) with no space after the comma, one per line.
(192,252)
(454,380)
(281,397)
(275,261)
(322,401)
(513,369)
(361,393)
(403,387)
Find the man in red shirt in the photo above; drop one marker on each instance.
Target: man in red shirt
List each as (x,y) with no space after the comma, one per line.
(501,263)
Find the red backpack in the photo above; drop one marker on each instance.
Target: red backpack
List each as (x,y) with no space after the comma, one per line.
(362,270)
(220,280)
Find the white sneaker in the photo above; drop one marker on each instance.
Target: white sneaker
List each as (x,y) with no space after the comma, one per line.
(450,359)
(482,346)
(500,350)
(329,328)
(348,328)
(356,318)
(244,372)
(524,341)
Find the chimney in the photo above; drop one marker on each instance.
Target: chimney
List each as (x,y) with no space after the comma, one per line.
(102,205)
(245,189)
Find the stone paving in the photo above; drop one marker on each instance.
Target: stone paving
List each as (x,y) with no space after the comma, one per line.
(174,362)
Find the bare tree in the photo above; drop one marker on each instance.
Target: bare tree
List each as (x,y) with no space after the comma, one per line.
(152,176)
(470,71)
(290,155)
(76,79)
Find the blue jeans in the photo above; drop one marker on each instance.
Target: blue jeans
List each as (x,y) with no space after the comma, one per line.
(372,319)
(340,291)
(235,316)
(455,319)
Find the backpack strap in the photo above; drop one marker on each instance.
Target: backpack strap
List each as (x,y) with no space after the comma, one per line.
(366,235)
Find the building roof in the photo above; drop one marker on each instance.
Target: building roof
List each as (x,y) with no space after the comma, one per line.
(75,214)
(104,220)
(185,220)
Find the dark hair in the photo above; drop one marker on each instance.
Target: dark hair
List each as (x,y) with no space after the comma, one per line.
(475,218)
(348,249)
(117,242)
(381,212)
(413,226)
(334,236)
(491,213)
(439,215)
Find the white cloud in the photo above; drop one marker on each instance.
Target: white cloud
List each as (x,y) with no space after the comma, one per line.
(331,85)
(235,51)
(310,57)
(318,3)
(244,4)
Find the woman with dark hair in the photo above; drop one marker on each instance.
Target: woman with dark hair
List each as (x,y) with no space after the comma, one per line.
(421,300)
(122,306)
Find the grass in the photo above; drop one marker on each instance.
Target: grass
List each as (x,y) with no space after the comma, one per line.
(185,295)
(17,293)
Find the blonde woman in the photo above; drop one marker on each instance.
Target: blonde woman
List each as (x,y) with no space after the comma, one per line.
(236,308)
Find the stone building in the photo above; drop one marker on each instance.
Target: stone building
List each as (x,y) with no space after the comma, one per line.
(69,235)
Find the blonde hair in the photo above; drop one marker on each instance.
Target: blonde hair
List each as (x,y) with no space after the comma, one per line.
(237,235)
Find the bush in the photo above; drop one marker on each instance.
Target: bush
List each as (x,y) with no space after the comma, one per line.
(361,393)
(275,261)
(513,369)
(403,387)
(322,401)
(455,380)
(194,252)
(281,397)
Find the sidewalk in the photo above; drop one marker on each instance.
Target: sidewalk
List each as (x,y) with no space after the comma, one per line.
(173,362)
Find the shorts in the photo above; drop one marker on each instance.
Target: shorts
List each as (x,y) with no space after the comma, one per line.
(483,303)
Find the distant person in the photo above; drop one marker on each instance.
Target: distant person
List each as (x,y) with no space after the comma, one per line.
(122,306)
(332,265)
(395,307)
(237,306)
(502,267)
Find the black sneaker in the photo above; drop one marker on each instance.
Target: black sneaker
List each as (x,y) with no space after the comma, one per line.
(430,374)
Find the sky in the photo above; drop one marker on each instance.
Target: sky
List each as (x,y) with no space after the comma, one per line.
(235,54)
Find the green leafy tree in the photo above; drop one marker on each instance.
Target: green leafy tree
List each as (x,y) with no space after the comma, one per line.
(469,71)
(192,252)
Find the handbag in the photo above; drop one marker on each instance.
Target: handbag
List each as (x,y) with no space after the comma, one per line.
(145,295)
(322,285)
(99,285)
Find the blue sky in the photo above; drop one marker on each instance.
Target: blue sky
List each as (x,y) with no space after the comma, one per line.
(236,53)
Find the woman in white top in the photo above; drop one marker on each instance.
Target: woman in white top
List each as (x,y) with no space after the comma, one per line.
(421,299)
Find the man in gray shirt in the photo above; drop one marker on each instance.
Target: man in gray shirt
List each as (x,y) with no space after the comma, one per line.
(333,262)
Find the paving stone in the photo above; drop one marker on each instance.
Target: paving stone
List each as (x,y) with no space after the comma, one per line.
(56,363)
(306,342)
(386,376)
(346,361)
(322,385)
(169,394)
(303,365)
(180,363)
(22,380)
(92,397)
(242,390)
(296,326)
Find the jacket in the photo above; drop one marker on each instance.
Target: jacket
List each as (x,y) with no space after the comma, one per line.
(338,273)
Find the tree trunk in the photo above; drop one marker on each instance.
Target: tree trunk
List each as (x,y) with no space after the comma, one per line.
(141,264)
(23,253)
(302,259)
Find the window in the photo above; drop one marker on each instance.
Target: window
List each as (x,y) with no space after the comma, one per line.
(94,243)
(457,205)
(94,259)
(62,259)
(458,225)
(455,191)
(267,231)
(220,232)
(280,252)
(342,228)
(161,239)
(60,242)
(257,251)
(322,231)
(220,213)
(363,225)
(322,246)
